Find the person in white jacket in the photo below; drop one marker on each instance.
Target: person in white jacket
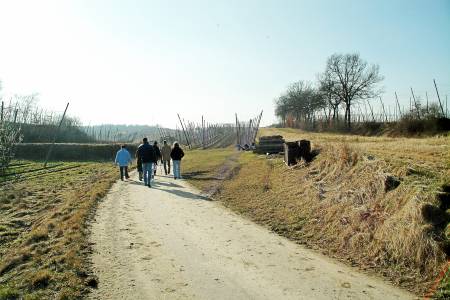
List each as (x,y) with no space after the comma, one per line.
(123,159)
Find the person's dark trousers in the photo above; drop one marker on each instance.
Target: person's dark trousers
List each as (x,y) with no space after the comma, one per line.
(140,171)
(124,171)
(166,169)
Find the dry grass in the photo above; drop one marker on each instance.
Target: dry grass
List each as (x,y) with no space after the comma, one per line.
(340,204)
(203,168)
(43,230)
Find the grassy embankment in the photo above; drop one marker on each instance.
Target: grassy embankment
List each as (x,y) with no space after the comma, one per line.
(342,204)
(205,168)
(43,228)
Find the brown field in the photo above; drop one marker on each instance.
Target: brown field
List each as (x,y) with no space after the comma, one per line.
(341,203)
(337,204)
(43,229)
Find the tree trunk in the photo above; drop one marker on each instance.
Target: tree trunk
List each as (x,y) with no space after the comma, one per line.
(348,117)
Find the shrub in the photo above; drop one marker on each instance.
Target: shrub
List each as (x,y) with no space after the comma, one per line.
(9,136)
(70,152)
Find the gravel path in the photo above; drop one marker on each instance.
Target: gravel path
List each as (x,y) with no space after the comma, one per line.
(168,242)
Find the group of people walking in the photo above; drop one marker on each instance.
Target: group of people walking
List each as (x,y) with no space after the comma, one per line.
(147,158)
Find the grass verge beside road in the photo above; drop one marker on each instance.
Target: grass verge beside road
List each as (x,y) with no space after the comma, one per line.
(344,204)
(203,168)
(43,229)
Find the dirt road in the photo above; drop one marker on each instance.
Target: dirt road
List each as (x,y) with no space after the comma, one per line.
(168,242)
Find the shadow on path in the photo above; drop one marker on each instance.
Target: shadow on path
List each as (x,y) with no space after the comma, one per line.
(180,193)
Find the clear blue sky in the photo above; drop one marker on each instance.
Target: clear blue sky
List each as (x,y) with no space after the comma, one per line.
(144,61)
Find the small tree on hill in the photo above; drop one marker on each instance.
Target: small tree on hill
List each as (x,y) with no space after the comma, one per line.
(349,78)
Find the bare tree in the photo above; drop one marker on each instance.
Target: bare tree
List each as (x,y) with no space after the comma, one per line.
(326,89)
(349,78)
(299,103)
(9,136)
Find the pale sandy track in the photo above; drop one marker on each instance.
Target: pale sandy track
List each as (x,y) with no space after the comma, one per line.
(169,243)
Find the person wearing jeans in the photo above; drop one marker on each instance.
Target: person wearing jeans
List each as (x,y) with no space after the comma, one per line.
(148,157)
(176,154)
(176,169)
(147,169)
(123,159)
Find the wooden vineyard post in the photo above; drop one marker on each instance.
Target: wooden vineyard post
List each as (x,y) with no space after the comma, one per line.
(237,131)
(203,132)
(439,98)
(55,136)
(257,127)
(371,111)
(384,111)
(398,105)
(15,115)
(415,104)
(185,135)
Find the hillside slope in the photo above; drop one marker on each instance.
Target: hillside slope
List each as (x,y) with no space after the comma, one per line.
(347,203)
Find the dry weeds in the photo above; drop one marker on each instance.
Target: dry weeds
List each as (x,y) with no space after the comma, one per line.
(205,168)
(342,202)
(43,249)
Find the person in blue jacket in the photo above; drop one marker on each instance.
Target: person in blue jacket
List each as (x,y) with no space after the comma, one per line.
(123,159)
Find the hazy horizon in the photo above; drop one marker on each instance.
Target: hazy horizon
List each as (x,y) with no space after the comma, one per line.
(143,62)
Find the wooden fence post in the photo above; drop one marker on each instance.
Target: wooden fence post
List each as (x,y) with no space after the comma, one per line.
(55,136)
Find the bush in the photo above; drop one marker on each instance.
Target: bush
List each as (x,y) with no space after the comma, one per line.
(430,125)
(44,133)
(9,135)
(70,152)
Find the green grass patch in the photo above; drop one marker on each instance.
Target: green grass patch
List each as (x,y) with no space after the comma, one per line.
(202,168)
(8,293)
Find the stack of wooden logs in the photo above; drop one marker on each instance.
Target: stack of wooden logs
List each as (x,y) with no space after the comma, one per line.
(270,144)
(295,151)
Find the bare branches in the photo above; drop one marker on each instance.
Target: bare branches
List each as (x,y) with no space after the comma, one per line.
(299,103)
(349,78)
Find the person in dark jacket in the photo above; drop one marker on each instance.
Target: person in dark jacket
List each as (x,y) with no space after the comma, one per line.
(139,164)
(176,155)
(158,156)
(148,157)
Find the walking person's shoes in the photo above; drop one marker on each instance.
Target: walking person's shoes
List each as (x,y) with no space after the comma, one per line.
(149,185)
